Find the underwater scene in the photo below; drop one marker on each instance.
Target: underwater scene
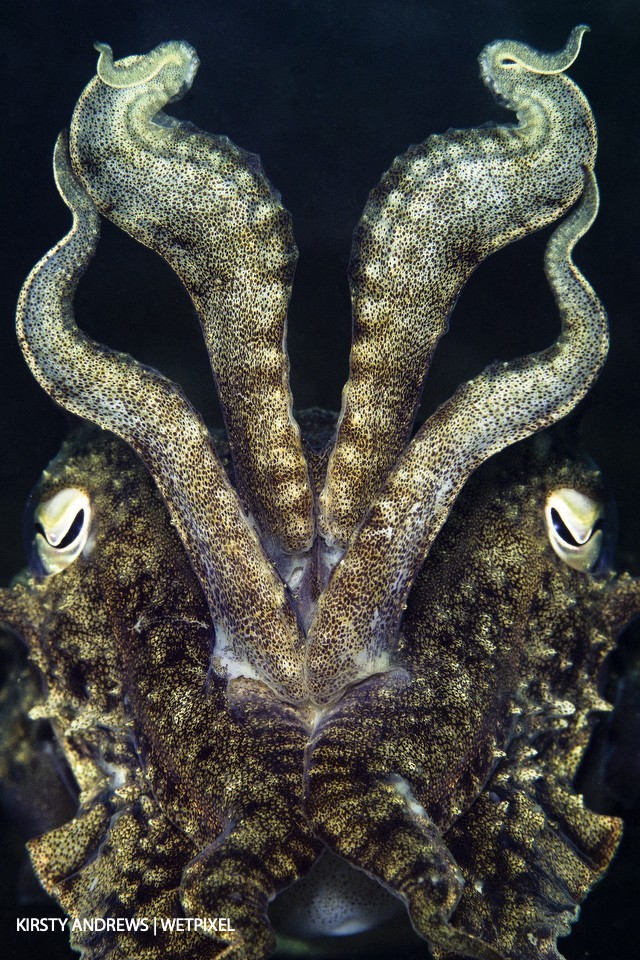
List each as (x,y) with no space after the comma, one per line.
(364,685)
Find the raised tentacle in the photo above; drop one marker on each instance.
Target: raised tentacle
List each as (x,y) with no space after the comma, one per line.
(207,207)
(441,209)
(155,418)
(355,630)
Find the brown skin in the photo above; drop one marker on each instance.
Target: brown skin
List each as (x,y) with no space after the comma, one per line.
(239,672)
(501,641)
(121,640)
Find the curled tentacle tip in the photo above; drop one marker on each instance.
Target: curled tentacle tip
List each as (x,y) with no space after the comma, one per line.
(177,55)
(105,66)
(571,49)
(510,54)
(62,142)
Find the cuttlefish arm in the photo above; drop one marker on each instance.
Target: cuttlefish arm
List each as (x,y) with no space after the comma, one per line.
(207,207)
(355,633)
(152,414)
(442,208)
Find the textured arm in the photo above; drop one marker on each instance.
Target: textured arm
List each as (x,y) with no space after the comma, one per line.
(206,206)
(356,629)
(155,418)
(442,208)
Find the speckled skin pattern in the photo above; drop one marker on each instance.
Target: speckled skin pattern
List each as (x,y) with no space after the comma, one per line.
(274,649)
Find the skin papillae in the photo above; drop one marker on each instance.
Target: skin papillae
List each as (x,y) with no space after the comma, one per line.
(267,650)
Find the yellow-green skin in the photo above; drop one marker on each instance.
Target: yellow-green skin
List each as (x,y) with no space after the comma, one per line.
(273,650)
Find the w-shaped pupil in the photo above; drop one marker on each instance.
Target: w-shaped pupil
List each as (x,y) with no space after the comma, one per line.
(72,533)
(563,531)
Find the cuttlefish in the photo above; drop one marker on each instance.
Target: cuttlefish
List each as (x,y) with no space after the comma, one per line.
(309,673)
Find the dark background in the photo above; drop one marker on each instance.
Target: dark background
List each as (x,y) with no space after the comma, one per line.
(327,93)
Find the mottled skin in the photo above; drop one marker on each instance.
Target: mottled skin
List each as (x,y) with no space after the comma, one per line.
(208,208)
(129,624)
(555,626)
(498,668)
(278,648)
(353,629)
(441,209)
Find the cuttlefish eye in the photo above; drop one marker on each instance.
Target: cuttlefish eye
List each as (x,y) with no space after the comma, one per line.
(575,527)
(62,524)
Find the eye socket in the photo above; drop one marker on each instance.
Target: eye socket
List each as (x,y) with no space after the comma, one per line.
(62,526)
(575,527)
